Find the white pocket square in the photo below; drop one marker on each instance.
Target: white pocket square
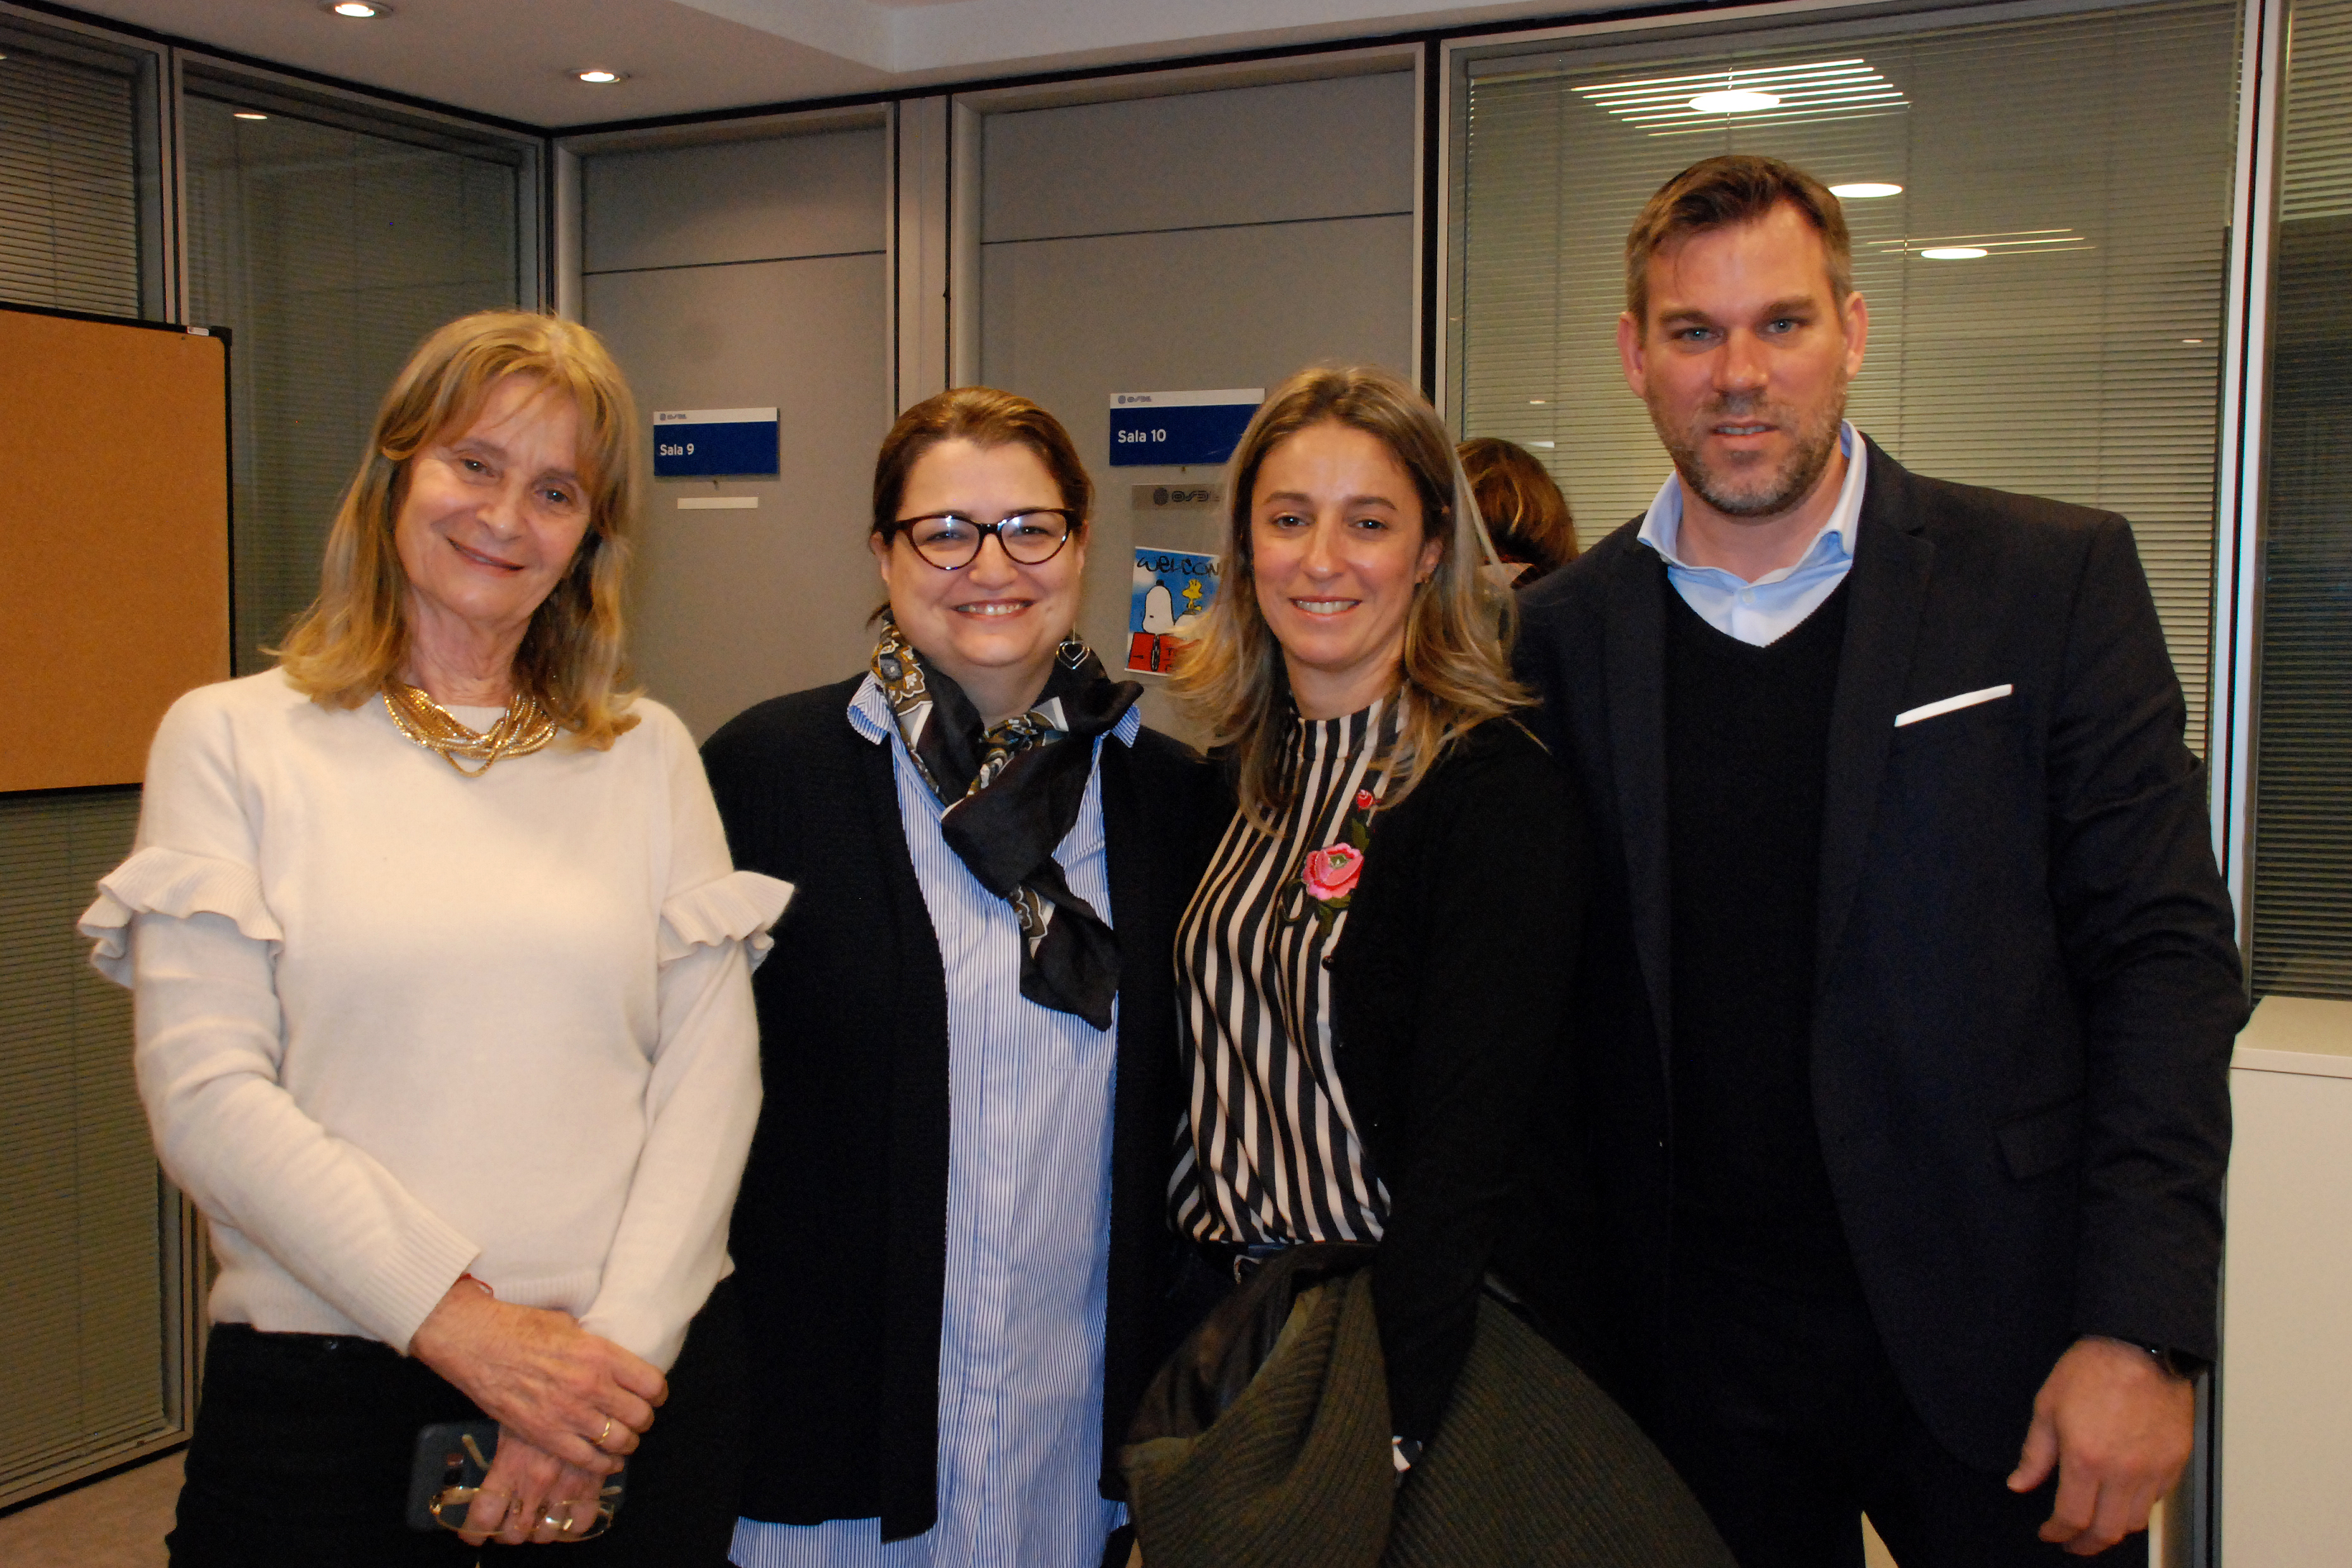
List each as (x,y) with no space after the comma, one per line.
(1951,704)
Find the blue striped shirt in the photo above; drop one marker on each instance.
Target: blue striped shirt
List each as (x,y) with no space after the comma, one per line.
(1028,1233)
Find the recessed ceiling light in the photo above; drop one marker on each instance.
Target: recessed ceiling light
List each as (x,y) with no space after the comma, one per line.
(1863,192)
(599,76)
(1737,101)
(1536,402)
(358,10)
(1954,253)
(2193,342)
(248,114)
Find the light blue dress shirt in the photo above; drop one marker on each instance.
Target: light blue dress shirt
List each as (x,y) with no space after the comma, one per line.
(1028,1231)
(1776,603)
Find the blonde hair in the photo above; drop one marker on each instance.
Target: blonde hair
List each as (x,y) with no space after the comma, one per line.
(354,636)
(1456,670)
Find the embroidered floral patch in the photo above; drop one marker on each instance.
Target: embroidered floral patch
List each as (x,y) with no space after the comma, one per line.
(1327,875)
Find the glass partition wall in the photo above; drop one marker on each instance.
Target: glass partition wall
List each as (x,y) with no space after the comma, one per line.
(2041,234)
(2301,941)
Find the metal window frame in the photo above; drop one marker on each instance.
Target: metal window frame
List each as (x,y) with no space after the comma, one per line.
(2239,538)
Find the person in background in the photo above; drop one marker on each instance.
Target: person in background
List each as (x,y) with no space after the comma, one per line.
(951,1236)
(1525,515)
(1891,1171)
(1371,988)
(444,1018)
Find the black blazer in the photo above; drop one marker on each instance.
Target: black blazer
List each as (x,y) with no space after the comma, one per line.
(1449,1002)
(2027,984)
(840,1236)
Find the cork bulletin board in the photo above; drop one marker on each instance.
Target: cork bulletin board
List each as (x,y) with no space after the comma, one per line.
(114,545)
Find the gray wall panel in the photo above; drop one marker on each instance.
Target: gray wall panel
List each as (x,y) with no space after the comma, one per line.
(736,201)
(1068,322)
(1264,154)
(731,607)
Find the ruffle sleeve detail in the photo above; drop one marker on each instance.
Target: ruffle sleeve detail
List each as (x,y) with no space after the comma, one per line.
(738,907)
(159,880)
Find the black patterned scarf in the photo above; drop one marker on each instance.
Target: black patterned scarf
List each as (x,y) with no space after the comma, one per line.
(1012,794)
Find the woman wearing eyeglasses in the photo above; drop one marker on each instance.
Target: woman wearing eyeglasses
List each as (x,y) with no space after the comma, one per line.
(949,1240)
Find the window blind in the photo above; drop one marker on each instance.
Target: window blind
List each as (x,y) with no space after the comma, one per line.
(2302,936)
(328,246)
(2088,156)
(68,177)
(81,1297)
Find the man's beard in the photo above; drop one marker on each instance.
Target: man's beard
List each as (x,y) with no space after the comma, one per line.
(1760,494)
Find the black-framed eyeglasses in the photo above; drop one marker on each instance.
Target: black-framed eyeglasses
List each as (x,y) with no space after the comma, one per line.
(951,541)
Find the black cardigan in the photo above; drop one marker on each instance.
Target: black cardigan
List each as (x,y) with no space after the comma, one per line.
(840,1235)
(1450,996)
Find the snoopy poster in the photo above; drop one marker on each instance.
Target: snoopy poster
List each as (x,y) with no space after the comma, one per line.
(1173,590)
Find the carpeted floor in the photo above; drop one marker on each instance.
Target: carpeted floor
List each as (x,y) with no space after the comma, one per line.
(118,1523)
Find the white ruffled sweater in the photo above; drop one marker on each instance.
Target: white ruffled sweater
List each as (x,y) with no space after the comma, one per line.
(395,1025)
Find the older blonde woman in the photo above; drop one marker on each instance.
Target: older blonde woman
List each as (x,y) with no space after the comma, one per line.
(1372,973)
(444,1011)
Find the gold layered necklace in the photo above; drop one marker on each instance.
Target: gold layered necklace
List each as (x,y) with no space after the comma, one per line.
(522,729)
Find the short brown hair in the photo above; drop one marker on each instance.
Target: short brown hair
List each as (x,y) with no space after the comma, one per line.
(354,635)
(1527,517)
(1722,192)
(986,417)
(1457,634)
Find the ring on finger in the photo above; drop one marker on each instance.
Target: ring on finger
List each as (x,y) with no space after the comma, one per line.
(598,1440)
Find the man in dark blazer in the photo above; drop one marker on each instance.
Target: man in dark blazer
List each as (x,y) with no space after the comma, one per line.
(1893,1135)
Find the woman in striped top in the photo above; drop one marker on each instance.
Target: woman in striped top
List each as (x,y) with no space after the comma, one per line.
(1372,974)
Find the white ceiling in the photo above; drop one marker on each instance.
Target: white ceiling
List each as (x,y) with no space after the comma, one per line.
(514,57)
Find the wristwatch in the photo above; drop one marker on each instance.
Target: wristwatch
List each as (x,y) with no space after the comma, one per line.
(2174,1363)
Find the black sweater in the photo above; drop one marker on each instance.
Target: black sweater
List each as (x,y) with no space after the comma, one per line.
(1450,1000)
(1748,751)
(840,1235)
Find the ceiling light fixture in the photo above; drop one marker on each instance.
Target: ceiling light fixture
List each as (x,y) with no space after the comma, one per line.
(1691,104)
(598,76)
(1737,100)
(247,114)
(358,10)
(1863,192)
(1972,247)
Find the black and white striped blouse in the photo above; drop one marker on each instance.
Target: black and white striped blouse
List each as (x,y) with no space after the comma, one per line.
(1273,1154)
